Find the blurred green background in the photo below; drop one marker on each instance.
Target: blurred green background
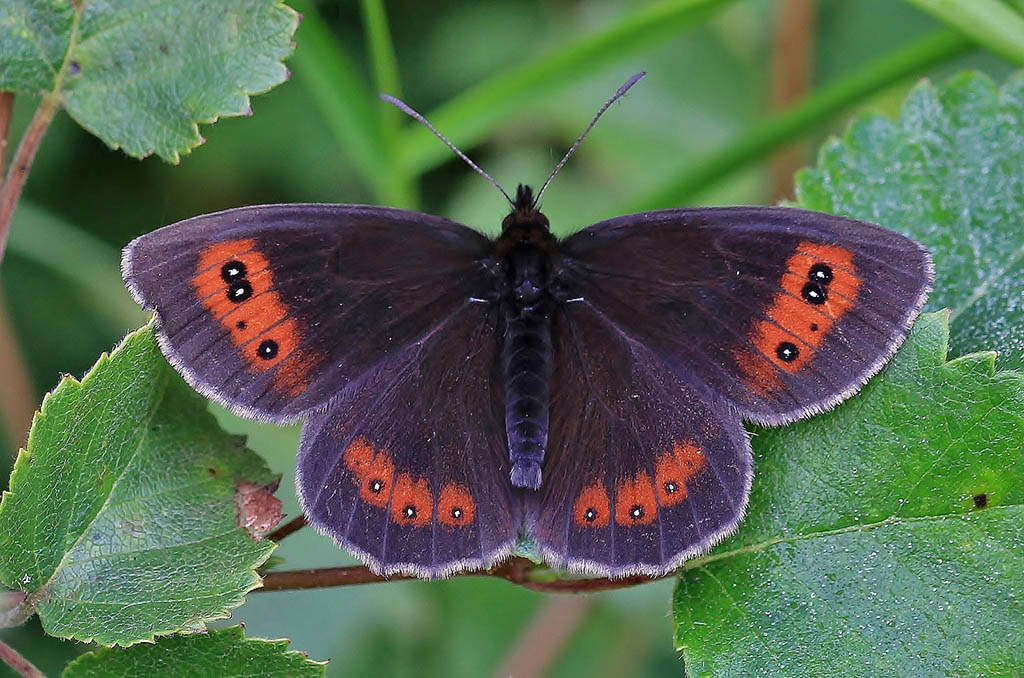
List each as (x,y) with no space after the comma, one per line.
(704,127)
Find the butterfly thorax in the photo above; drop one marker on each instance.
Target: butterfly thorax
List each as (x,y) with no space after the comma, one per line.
(525,249)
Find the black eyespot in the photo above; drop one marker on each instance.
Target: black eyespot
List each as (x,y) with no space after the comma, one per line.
(787,352)
(456,513)
(240,324)
(239,291)
(671,487)
(980,500)
(267,349)
(376,486)
(233,270)
(590,515)
(814,327)
(409,512)
(820,273)
(637,512)
(813,293)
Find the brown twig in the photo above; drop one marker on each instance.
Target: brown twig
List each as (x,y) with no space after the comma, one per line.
(24,667)
(792,58)
(293,525)
(15,180)
(515,570)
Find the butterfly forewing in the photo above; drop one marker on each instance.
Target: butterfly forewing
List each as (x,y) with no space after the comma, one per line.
(272,310)
(783,312)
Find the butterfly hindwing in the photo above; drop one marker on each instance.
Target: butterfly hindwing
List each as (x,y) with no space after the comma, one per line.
(272,310)
(780,311)
(642,471)
(408,469)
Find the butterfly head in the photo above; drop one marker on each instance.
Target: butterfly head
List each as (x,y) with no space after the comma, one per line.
(524,215)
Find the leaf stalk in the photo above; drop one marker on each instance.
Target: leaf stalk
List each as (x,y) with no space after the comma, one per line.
(22,163)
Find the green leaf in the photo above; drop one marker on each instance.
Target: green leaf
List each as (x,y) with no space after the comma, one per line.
(34,40)
(140,74)
(866,550)
(121,520)
(218,653)
(948,173)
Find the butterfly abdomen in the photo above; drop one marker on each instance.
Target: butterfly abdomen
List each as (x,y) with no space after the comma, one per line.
(526,363)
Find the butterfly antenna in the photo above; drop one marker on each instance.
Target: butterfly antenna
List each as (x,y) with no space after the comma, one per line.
(579,140)
(405,108)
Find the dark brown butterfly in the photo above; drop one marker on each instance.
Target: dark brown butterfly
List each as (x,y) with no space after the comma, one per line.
(587,393)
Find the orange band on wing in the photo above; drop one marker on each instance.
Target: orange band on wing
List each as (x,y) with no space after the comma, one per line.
(820,284)
(235,284)
(372,471)
(410,499)
(675,469)
(411,502)
(455,506)
(634,501)
(592,508)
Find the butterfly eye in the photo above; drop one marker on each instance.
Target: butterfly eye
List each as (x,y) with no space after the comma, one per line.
(233,270)
(239,291)
(814,293)
(787,352)
(820,273)
(267,349)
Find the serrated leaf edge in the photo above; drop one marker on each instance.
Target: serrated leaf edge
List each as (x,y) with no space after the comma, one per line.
(236,633)
(197,139)
(36,597)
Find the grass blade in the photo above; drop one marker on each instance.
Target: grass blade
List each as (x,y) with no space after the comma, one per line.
(991,23)
(783,127)
(474,113)
(400,190)
(325,68)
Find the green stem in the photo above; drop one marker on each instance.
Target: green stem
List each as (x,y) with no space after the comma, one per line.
(779,129)
(475,112)
(382,50)
(401,191)
(992,24)
(325,68)
(22,163)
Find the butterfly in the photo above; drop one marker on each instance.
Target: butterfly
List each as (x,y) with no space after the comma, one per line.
(588,393)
